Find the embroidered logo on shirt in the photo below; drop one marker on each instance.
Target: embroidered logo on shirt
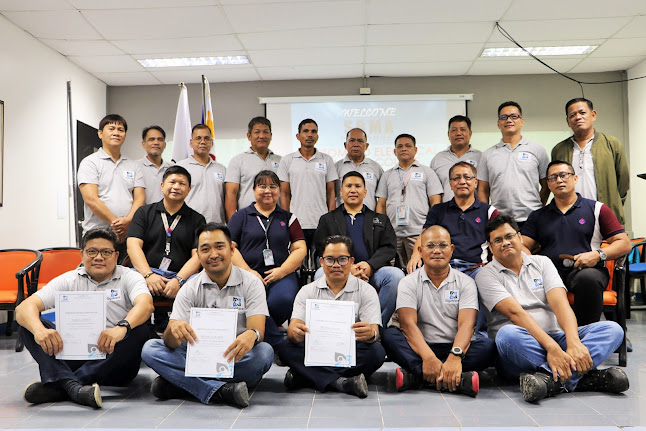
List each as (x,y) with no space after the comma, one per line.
(478,219)
(113,294)
(320,166)
(236,302)
(473,163)
(219,176)
(128,175)
(282,223)
(538,283)
(581,221)
(523,156)
(275,164)
(451,296)
(369,176)
(417,176)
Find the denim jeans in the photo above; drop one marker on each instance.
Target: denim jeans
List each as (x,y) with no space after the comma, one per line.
(385,280)
(519,352)
(170,364)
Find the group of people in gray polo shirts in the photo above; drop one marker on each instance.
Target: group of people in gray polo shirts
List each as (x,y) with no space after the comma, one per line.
(432,336)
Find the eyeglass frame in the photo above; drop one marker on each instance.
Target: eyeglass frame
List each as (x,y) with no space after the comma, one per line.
(335,260)
(562,175)
(90,252)
(505,117)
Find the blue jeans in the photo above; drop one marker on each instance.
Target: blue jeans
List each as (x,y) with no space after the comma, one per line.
(385,280)
(170,364)
(519,352)
(464,267)
(280,300)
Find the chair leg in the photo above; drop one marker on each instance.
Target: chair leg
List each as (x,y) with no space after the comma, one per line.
(9,328)
(19,343)
(642,284)
(623,353)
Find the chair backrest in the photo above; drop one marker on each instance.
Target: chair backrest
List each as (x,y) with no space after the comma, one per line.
(57,261)
(12,262)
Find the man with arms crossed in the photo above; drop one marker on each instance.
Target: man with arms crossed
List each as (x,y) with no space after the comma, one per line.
(434,323)
(152,166)
(243,168)
(129,305)
(534,327)
(219,285)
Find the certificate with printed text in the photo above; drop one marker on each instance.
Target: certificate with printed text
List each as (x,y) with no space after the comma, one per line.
(330,341)
(216,329)
(80,319)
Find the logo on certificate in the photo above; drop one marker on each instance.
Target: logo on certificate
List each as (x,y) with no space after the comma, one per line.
(341,360)
(114,294)
(64,298)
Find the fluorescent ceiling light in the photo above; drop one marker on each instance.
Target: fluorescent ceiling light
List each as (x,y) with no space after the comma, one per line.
(539,51)
(194,61)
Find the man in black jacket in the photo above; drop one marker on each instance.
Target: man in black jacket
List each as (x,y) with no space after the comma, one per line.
(373,237)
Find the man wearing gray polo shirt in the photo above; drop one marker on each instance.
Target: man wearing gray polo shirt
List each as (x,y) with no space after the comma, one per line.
(512,171)
(434,323)
(307,181)
(356,144)
(112,185)
(243,168)
(153,140)
(128,307)
(460,150)
(405,193)
(534,326)
(207,177)
(219,285)
(337,285)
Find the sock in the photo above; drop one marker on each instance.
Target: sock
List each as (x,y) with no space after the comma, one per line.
(72,387)
(338,384)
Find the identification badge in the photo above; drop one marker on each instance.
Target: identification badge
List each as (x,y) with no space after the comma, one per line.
(320,167)
(268,257)
(451,296)
(128,175)
(524,156)
(113,294)
(236,302)
(165,263)
(402,215)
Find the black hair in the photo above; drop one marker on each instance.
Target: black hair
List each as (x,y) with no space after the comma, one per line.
(406,135)
(356,128)
(113,119)
(263,175)
(577,100)
(149,128)
(336,239)
(212,227)
(510,103)
(98,232)
(175,169)
(460,119)
(498,221)
(559,162)
(354,174)
(466,165)
(200,126)
(258,120)
(305,121)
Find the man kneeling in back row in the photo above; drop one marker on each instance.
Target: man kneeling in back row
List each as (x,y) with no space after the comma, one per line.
(338,284)
(436,314)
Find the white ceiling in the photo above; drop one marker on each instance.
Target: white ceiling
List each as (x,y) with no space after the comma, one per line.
(317,39)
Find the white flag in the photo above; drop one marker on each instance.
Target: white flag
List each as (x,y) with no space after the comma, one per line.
(207,110)
(182,135)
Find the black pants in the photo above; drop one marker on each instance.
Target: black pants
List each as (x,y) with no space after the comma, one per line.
(588,286)
(480,355)
(370,357)
(118,369)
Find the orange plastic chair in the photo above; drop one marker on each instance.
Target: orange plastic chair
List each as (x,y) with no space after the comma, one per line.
(57,261)
(18,277)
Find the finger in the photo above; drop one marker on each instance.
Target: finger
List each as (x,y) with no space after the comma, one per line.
(47,346)
(58,343)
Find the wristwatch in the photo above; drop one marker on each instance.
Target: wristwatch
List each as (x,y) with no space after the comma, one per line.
(257,335)
(457,351)
(602,255)
(126,325)
(181,280)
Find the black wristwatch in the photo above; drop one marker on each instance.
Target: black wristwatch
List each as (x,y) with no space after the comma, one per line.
(457,351)
(126,325)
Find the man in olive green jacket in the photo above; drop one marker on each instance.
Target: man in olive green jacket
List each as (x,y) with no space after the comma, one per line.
(599,160)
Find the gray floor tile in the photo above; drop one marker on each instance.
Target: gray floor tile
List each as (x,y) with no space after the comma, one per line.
(571,420)
(420,421)
(282,410)
(496,421)
(271,423)
(346,422)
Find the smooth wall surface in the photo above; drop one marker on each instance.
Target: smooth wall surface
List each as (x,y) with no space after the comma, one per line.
(36,208)
(636,116)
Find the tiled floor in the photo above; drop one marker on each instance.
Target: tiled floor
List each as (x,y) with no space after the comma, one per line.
(274,408)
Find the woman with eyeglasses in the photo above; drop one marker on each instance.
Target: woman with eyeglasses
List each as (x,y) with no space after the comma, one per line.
(271,245)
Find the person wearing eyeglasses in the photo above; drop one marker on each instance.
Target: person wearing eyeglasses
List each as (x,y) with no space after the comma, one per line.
(512,173)
(270,244)
(535,329)
(460,150)
(431,336)
(207,192)
(129,305)
(338,285)
(242,169)
(153,141)
(599,160)
(576,226)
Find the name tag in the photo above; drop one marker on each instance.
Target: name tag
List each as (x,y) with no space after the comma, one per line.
(452,296)
(369,176)
(417,176)
(524,157)
(113,294)
(320,167)
(128,175)
(538,284)
(235,302)
(219,176)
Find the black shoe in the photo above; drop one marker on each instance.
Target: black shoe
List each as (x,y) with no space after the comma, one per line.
(294,380)
(165,390)
(90,395)
(538,385)
(469,384)
(233,393)
(356,385)
(39,393)
(612,380)
(277,361)
(401,380)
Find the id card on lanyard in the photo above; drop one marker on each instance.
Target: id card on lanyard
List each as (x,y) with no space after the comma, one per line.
(267,254)
(403,211)
(166,261)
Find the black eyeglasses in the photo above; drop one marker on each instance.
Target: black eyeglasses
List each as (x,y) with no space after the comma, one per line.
(329,260)
(508,237)
(562,175)
(459,177)
(92,252)
(506,117)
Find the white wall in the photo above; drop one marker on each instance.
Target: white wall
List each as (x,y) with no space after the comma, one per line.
(637,153)
(36,152)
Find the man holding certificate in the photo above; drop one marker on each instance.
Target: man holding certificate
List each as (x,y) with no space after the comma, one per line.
(212,347)
(111,354)
(435,318)
(327,348)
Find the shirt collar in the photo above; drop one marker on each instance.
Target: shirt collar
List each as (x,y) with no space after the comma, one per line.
(476,204)
(317,154)
(350,286)
(104,155)
(345,211)
(523,141)
(159,206)
(424,277)
(415,163)
(116,274)
(251,151)
(235,278)
(527,261)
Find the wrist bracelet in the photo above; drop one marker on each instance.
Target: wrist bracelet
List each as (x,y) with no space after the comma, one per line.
(149,274)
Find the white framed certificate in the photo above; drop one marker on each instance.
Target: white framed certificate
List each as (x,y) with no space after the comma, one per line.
(216,329)
(80,319)
(330,341)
